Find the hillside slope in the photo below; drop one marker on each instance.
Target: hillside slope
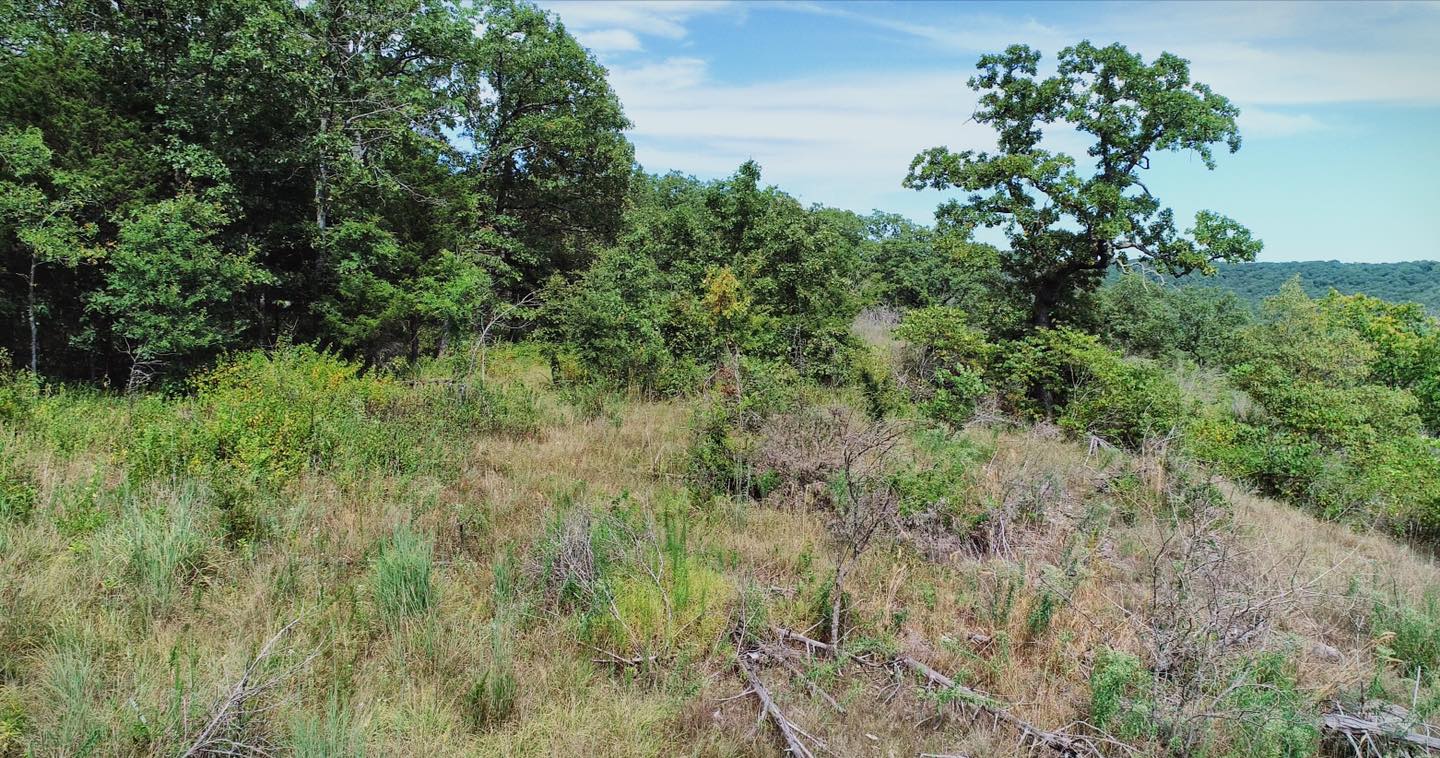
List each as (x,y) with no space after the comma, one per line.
(558,586)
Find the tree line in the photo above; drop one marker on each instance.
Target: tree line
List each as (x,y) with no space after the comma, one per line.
(178,177)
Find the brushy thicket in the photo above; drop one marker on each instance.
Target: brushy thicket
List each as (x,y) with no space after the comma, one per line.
(1328,403)
(704,272)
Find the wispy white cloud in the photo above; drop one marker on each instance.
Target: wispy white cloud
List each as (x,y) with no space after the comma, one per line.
(846,138)
(1256,53)
(827,138)
(609,40)
(611,26)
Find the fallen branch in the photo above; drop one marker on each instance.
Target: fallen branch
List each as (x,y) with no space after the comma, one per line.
(787,729)
(814,688)
(1062,744)
(230,711)
(1367,734)
(622,661)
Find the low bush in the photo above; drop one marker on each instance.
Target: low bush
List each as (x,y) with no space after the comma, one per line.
(1093,389)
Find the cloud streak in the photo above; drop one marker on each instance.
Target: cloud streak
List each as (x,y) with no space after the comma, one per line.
(846,138)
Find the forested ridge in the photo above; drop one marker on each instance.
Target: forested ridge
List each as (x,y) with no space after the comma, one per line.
(1404,282)
(360,394)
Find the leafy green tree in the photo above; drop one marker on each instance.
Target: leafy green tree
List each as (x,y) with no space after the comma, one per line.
(1138,314)
(549,154)
(1148,316)
(1066,226)
(709,272)
(172,292)
(381,158)
(907,265)
(39,207)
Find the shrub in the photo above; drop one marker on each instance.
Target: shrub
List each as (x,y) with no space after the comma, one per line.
(18,490)
(1411,632)
(267,417)
(1098,391)
(724,446)
(401,580)
(944,361)
(19,393)
(1120,700)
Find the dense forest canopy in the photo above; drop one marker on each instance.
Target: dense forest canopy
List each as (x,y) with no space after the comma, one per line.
(1406,282)
(182,177)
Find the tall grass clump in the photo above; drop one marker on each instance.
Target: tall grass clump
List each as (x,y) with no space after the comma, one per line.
(491,699)
(402,577)
(75,724)
(165,540)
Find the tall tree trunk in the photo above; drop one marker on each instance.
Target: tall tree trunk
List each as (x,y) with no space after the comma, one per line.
(1042,311)
(322,177)
(34,328)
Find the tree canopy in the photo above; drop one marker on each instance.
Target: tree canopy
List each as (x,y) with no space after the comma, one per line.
(333,172)
(1066,225)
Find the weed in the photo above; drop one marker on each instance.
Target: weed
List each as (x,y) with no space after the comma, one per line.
(1410,633)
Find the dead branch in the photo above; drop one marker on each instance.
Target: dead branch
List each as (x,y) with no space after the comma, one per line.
(1062,744)
(230,711)
(1378,733)
(788,730)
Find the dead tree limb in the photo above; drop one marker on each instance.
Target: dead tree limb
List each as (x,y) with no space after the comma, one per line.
(1062,744)
(1369,735)
(793,745)
(231,710)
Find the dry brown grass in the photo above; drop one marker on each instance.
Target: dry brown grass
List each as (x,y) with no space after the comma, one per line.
(85,659)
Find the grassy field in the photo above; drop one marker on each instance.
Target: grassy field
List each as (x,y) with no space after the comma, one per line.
(296,558)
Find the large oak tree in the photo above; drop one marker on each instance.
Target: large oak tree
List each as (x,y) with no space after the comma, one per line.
(1068,224)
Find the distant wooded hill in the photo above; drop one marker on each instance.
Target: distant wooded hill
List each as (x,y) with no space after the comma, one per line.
(1410,281)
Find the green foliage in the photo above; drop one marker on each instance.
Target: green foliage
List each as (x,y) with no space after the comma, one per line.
(706,271)
(949,357)
(608,324)
(1331,420)
(1097,390)
(1144,316)
(170,290)
(940,483)
(165,541)
(720,454)
(18,490)
(267,418)
(1119,696)
(1409,633)
(383,169)
(1066,228)
(906,265)
(401,583)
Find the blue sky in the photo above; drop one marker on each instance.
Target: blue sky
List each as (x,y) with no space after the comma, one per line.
(1340,102)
